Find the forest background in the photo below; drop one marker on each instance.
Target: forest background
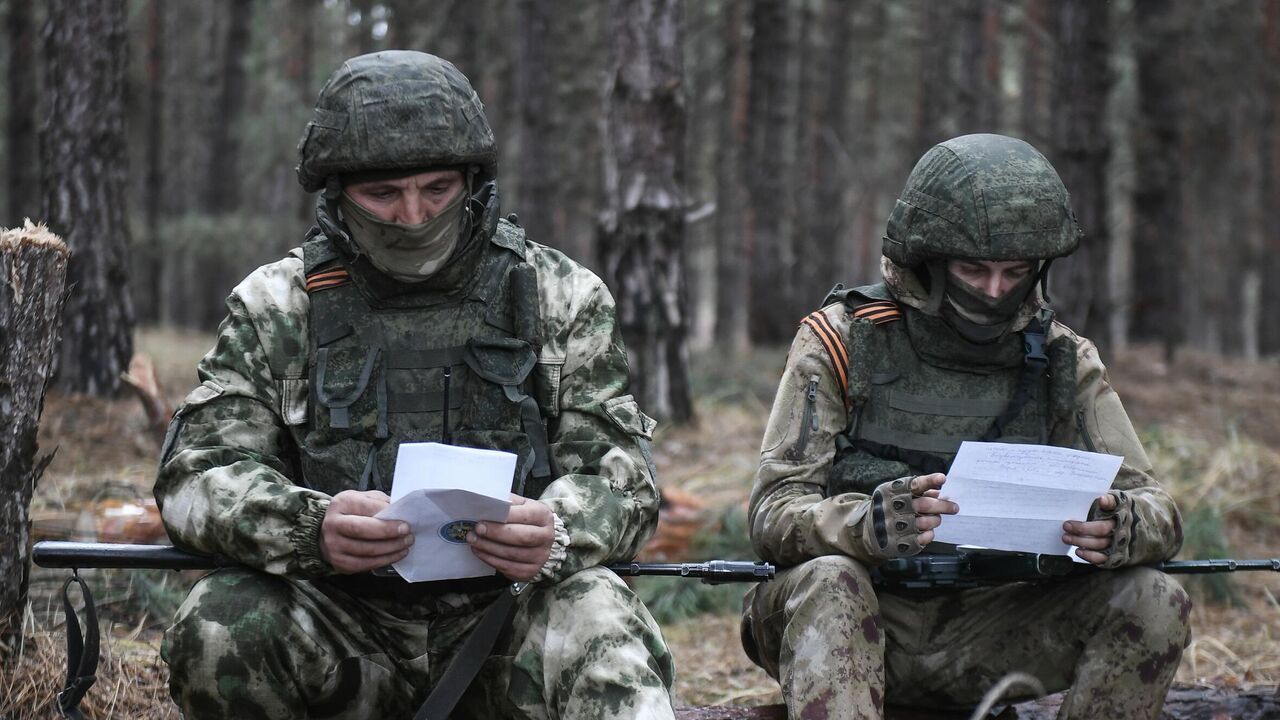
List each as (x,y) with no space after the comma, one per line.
(786,130)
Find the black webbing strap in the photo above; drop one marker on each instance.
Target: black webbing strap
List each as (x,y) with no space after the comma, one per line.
(1034,364)
(475,649)
(82,651)
(917,459)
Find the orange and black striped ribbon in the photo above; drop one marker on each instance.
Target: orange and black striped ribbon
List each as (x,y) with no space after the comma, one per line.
(328,279)
(830,339)
(879,312)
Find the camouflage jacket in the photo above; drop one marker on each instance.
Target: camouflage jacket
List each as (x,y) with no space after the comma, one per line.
(226,484)
(793,518)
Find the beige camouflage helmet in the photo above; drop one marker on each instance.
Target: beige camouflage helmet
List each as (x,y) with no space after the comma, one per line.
(390,110)
(981,197)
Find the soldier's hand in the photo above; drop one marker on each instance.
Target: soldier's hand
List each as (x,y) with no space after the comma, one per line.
(928,506)
(1092,538)
(352,540)
(519,547)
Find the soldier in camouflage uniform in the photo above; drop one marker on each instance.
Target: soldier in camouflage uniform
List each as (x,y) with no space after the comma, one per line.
(880,388)
(411,313)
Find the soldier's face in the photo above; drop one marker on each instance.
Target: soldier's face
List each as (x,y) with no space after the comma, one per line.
(409,200)
(992,278)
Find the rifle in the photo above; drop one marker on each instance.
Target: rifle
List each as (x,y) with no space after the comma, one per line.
(82,650)
(75,555)
(969,568)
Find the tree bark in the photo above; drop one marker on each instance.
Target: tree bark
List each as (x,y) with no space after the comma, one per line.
(833,145)
(1157,238)
(538,170)
(299,67)
(24,164)
(1080,149)
(83,146)
(771,159)
(642,227)
(1031,107)
(1269,331)
(147,292)
(224,169)
(733,228)
(706,85)
(934,119)
(33,265)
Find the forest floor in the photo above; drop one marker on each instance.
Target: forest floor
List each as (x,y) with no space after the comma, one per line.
(1211,426)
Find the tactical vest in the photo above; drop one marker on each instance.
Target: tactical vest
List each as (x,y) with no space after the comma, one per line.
(914,395)
(447,367)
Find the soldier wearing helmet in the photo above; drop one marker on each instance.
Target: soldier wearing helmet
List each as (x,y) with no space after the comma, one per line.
(881,387)
(410,313)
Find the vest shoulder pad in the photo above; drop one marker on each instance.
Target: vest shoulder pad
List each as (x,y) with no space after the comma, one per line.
(322,266)
(869,302)
(510,236)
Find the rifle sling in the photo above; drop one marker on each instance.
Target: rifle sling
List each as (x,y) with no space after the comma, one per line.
(475,649)
(82,651)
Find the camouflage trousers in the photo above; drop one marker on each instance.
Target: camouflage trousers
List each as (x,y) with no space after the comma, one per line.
(839,646)
(249,645)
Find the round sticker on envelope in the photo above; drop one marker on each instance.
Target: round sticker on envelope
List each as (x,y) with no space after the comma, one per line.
(456,531)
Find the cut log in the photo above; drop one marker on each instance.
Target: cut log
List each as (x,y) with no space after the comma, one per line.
(33,271)
(1184,702)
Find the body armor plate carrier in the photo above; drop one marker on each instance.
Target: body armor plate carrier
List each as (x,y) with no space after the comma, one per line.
(915,393)
(450,367)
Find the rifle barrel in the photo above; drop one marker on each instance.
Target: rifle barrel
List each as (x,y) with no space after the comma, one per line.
(60,554)
(1191,567)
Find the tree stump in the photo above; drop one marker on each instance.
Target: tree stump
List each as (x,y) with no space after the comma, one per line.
(33,272)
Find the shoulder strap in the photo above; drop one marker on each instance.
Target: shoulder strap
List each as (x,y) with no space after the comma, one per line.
(82,651)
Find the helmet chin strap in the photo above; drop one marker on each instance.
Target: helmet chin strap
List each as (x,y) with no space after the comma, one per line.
(328,218)
(1044,279)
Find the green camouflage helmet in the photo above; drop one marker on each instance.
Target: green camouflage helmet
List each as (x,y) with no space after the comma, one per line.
(391,110)
(981,197)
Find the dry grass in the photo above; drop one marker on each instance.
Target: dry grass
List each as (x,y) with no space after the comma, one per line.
(1212,428)
(132,682)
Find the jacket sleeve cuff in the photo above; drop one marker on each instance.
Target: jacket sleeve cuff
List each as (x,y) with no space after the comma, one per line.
(306,538)
(559,551)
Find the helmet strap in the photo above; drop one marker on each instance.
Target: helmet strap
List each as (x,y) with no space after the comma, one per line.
(1044,279)
(329,218)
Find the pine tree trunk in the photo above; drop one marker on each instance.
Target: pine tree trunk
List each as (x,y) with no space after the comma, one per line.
(773,310)
(224,169)
(1269,330)
(733,224)
(299,67)
(1080,150)
(83,146)
(642,228)
(537,171)
(1157,239)
(706,83)
(152,263)
(833,146)
(33,263)
(24,165)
